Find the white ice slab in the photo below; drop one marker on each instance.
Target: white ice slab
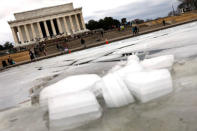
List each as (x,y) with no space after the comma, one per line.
(68,86)
(133,59)
(149,85)
(118,66)
(160,62)
(130,68)
(71,111)
(115,68)
(115,92)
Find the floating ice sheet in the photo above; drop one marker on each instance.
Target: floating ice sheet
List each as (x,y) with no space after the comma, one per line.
(109,58)
(166,41)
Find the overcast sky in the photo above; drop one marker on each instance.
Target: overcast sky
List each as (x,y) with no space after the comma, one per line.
(92,9)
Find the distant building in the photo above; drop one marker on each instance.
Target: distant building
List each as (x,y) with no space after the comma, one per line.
(46,23)
(185,7)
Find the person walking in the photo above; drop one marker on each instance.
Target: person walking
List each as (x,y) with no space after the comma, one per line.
(164,23)
(31,55)
(44,50)
(102,33)
(83,42)
(36,51)
(137,30)
(133,30)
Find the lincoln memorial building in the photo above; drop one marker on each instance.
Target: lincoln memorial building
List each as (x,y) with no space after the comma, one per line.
(46,23)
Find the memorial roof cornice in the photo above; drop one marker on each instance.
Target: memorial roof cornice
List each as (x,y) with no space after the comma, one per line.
(52,14)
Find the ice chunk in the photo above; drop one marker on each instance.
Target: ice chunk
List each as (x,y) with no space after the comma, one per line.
(115,91)
(132,65)
(129,69)
(67,86)
(117,67)
(158,62)
(132,59)
(149,85)
(70,111)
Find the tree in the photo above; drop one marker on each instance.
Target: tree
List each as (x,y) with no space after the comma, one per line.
(116,22)
(1,47)
(8,45)
(147,20)
(124,21)
(106,23)
(192,4)
(92,25)
(138,21)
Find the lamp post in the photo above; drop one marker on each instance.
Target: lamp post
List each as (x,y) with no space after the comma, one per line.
(173,9)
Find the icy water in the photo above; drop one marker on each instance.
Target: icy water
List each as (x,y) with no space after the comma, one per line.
(176,112)
(16,82)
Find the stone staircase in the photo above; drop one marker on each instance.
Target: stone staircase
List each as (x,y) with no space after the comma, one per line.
(93,38)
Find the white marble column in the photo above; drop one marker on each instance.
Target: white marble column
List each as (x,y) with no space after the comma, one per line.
(14,33)
(77,21)
(59,25)
(82,21)
(27,33)
(33,31)
(53,27)
(71,23)
(66,25)
(39,30)
(21,35)
(46,28)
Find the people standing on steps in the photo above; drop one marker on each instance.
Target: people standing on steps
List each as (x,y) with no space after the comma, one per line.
(4,64)
(31,55)
(58,46)
(42,49)
(10,61)
(135,30)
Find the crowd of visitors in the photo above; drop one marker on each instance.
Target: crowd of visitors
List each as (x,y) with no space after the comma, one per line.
(37,51)
(62,47)
(9,61)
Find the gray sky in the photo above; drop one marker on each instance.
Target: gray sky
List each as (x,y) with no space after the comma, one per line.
(92,9)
